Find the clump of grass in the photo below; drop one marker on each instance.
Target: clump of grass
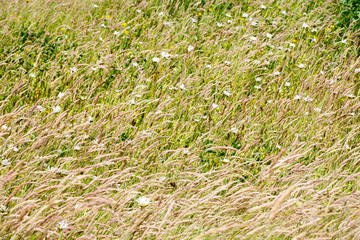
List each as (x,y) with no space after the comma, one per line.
(178,120)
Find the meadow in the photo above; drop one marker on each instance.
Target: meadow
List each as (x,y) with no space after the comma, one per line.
(166,119)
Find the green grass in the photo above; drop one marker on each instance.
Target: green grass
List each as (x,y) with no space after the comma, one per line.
(215,136)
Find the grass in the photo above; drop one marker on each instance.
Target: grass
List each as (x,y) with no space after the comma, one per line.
(235,120)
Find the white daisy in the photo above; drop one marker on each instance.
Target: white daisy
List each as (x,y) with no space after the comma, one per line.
(95,6)
(56,109)
(156,59)
(258,79)
(73,69)
(234,130)
(60,95)
(190,48)
(268,35)
(214,105)
(263,6)
(182,86)
(245,15)
(304,25)
(6,163)
(225,160)
(62,225)
(227,93)
(32,75)
(3,207)
(297,97)
(301,65)
(143,201)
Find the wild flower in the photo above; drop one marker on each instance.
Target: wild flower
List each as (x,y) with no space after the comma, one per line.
(56,109)
(190,48)
(263,6)
(245,15)
(258,79)
(301,65)
(156,59)
(225,160)
(234,130)
(6,162)
(60,95)
(214,105)
(73,69)
(182,86)
(227,93)
(305,25)
(268,35)
(62,225)
(3,208)
(32,75)
(143,201)
(297,97)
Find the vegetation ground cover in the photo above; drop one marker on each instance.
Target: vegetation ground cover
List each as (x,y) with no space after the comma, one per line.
(178,120)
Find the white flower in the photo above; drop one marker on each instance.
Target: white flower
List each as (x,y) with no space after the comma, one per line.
(219,24)
(4,127)
(306,113)
(93,68)
(95,6)
(314,40)
(304,25)
(287,84)
(278,146)
(314,30)
(103,25)
(343,41)
(347,147)
(208,65)
(229,21)
(15,149)
(173,88)
(194,20)
(352,114)
(3,207)
(268,35)
(167,23)
(227,62)
(277,73)
(317,109)
(214,105)
(283,12)
(270,101)
(245,15)
(77,205)
(6,162)
(301,65)
(73,69)
(322,72)
(60,95)
(138,10)
(116,33)
(190,48)
(292,45)
(62,225)
(161,13)
(162,179)
(257,61)
(143,201)
(156,59)
(77,147)
(266,62)
(263,6)
(56,109)
(234,130)
(357,70)
(258,87)
(350,95)
(225,160)
(227,93)
(182,86)
(258,79)
(32,75)
(165,55)
(228,15)
(253,23)
(253,39)
(308,99)
(100,38)
(297,97)
(135,64)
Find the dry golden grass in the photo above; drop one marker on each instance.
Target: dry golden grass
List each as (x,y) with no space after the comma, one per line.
(95,114)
